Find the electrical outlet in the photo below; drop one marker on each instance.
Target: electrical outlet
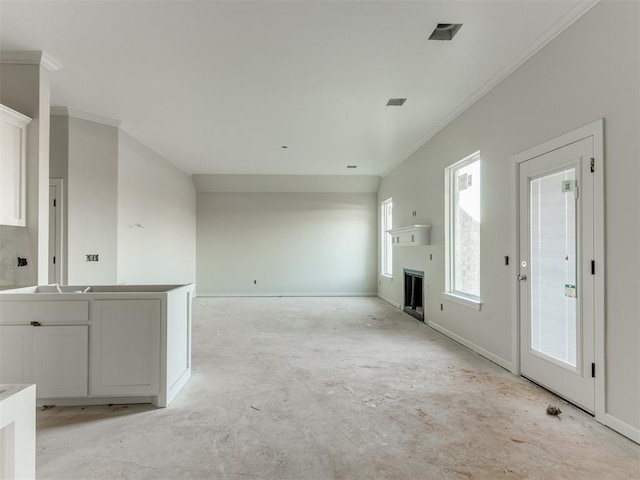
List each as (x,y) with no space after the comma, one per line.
(92,257)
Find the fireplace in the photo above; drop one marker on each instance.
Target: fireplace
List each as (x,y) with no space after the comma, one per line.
(413,293)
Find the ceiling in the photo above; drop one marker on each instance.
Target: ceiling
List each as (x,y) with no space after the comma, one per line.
(218,87)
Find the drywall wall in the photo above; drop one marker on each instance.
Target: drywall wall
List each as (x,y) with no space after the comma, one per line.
(156,217)
(590,71)
(290,243)
(92,202)
(25,88)
(286,183)
(59,169)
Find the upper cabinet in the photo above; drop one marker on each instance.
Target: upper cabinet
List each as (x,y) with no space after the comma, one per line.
(13,184)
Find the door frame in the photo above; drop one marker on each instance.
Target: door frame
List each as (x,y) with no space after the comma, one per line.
(58,184)
(595,130)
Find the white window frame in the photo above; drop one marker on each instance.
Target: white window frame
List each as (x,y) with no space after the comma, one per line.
(386,243)
(450,294)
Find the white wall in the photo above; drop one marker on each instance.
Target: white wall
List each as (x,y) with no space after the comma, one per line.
(25,88)
(59,169)
(156,217)
(591,71)
(291,243)
(92,200)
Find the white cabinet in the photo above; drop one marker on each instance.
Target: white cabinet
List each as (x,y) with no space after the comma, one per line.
(125,347)
(13,134)
(60,361)
(54,358)
(16,354)
(113,343)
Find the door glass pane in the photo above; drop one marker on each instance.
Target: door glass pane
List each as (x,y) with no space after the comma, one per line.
(553,266)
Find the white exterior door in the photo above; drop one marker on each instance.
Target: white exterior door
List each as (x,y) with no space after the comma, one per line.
(556,230)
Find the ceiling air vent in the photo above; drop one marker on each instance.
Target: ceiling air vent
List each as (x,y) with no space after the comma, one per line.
(445,31)
(396,102)
(352,166)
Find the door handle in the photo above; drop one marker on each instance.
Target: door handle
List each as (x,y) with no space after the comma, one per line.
(522,277)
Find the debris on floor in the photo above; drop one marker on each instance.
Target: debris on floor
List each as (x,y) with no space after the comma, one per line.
(46,407)
(553,410)
(255,408)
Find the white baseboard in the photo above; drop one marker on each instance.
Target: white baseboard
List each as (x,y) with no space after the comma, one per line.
(287,294)
(74,402)
(389,301)
(619,426)
(479,350)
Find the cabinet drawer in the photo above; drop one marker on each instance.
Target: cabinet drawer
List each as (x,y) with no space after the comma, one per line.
(52,312)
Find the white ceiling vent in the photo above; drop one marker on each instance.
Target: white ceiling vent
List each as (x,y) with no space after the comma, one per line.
(396,102)
(445,31)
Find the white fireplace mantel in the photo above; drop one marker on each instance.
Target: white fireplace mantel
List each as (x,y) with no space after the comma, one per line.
(411,235)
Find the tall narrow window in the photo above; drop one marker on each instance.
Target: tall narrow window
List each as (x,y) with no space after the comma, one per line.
(387,247)
(463,228)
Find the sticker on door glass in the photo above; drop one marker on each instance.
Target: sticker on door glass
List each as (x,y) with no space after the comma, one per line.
(569,290)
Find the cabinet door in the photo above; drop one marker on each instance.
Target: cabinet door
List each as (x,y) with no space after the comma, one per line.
(60,361)
(125,347)
(16,351)
(12,167)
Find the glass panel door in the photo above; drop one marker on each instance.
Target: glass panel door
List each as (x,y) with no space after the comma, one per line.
(554,319)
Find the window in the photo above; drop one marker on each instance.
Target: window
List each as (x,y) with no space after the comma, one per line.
(387,247)
(462,200)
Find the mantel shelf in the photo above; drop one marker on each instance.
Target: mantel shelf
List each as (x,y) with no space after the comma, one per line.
(411,235)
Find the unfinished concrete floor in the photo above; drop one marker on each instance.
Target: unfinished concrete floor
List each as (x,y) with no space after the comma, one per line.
(332,388)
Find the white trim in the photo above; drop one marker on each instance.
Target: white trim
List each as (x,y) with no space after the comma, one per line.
(389,301)
(21,119)
(72,112)
(82,401)
(385,237)
(31,58)
(288,294)
(506,364)
(58,184)
(448,226)
(621,427)
(596,131)
(564,22)
(460,300)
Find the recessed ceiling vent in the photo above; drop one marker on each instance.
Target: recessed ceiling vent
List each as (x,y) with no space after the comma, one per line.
(396,102)
(445,31)
(352,166)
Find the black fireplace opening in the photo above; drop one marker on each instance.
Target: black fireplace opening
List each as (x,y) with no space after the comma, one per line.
(413,293)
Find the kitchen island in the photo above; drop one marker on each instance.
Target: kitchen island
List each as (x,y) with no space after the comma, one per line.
(89,345)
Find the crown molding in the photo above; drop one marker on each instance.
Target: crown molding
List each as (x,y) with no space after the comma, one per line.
(72,112)
(564,22)
(18,117)
(31,58)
